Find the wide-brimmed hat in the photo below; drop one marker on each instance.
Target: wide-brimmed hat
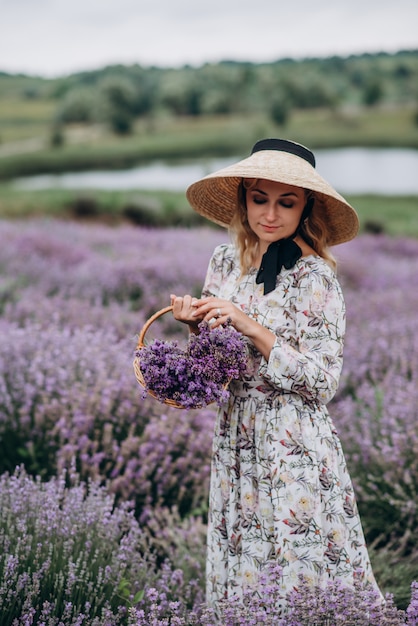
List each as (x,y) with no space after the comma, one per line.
(216,196)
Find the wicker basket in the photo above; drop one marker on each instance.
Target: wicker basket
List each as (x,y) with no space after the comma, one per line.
(137,363)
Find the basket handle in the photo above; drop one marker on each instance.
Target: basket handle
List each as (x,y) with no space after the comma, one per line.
(148,323)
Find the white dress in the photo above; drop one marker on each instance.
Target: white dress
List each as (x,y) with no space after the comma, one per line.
(280,491)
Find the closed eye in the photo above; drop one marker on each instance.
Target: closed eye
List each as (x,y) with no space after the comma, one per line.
(287,204)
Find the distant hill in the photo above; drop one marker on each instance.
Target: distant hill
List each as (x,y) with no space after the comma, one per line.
(229,86)
(117,115)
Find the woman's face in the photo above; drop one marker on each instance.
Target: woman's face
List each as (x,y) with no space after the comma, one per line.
(274,210)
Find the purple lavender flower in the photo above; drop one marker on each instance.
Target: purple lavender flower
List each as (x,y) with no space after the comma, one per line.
(67,552)
(412,610)
(198,375)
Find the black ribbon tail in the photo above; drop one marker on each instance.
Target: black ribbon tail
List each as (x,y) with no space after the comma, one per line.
(279,253)
(267,273)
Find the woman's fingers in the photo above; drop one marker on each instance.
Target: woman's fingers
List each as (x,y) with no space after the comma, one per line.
(214,311)
(183,308)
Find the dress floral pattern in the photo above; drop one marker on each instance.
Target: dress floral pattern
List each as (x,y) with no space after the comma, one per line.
(280,491)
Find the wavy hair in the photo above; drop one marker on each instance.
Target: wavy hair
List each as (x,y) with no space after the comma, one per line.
(313,229)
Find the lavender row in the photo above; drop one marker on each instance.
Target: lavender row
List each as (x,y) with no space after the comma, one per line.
(71,394)
(78,274)
(376,408)
(70,557)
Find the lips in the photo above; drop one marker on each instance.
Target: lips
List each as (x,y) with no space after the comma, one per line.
(269,228)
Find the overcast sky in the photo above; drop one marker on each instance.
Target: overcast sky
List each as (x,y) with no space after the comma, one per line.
(57,37)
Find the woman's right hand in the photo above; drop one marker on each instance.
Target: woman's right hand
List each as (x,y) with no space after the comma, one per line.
(183,309)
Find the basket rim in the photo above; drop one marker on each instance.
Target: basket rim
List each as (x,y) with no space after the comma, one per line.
(150,320)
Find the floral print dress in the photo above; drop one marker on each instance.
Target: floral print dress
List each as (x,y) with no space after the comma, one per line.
(280,492)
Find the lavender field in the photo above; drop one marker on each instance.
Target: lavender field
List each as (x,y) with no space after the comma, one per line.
(103,522)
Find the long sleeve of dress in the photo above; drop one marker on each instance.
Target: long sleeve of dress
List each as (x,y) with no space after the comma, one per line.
(220,265)
(310,364)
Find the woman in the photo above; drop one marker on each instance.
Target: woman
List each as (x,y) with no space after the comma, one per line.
(280,492)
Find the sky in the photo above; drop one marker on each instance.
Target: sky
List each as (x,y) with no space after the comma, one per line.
(58,37)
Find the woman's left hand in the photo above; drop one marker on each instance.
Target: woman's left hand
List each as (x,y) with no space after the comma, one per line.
(219,312)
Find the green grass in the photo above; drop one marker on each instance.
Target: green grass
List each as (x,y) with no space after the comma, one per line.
(396,215)
(16,109)
(370,127)
(145,208)
(390,214)
(100,149)
(25,119)
(394,573)
(175,138)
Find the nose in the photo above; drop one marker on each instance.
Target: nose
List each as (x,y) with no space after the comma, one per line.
(270,213)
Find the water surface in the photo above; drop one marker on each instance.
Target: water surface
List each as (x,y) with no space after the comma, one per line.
(349,170)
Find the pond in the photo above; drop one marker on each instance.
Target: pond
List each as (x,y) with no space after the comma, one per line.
(349,170)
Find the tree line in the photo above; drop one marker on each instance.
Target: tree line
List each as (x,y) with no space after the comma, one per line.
(118,95)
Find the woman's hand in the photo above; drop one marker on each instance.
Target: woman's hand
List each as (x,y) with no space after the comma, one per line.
(183,310)
(216,312)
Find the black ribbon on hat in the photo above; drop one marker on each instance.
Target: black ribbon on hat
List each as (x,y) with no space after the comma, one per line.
(283,145)
(279,254)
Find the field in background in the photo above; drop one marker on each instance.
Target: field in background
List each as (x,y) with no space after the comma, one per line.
(392,215)
(26,146)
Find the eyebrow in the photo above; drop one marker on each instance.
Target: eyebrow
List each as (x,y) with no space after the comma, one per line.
(282,195)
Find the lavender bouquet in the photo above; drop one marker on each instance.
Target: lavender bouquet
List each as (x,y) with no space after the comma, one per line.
(198,375)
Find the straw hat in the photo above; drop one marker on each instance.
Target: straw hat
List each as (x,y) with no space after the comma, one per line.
(216,196)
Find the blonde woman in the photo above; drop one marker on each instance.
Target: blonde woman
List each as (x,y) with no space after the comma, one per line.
(280,492)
